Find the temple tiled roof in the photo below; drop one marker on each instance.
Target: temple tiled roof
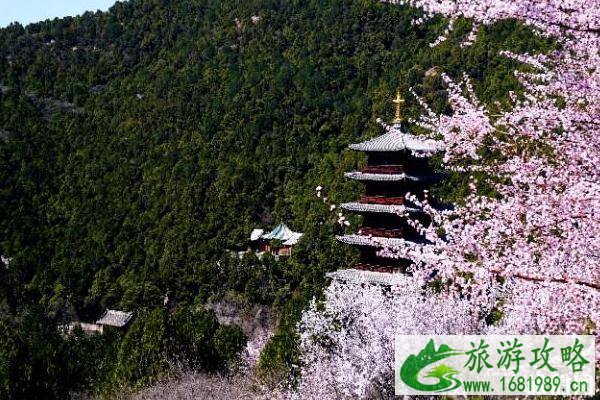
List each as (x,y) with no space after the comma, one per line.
(115,318)
(293,239)
(368,176)
(377,208)
(396,140)
(256,234)
(280,232)
(361,240)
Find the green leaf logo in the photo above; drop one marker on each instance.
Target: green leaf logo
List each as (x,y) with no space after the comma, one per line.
(413,365)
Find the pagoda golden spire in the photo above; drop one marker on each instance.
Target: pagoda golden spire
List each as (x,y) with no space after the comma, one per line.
(399,102)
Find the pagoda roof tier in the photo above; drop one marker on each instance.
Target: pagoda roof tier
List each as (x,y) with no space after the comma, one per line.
(361,276)
(397,140)
(378,208)
(368,176)
(373,241)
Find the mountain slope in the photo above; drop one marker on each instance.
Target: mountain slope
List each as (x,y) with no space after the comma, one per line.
(199,121)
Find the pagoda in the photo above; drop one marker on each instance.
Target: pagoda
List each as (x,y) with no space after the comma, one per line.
(396,165)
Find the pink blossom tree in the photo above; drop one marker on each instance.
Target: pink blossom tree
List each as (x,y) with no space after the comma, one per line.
(347,345)
(532,253)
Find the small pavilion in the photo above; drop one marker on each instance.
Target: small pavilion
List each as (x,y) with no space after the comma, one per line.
(278,242)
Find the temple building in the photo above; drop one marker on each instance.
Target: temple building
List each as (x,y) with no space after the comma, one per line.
(112,318)
(396,165)
(278,242)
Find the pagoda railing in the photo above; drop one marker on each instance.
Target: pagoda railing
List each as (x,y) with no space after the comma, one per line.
(383,169)
(396,201)
(381,232)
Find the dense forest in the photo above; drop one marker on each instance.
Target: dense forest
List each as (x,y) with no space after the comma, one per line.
(139,146)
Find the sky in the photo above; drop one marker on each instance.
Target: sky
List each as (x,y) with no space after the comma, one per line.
(27,11)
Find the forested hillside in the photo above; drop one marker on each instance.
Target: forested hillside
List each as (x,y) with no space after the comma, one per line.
(137,146)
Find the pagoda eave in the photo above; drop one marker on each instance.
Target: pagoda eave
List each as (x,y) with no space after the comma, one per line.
(378,208)
(373,241)
(368,176)
(362,276)
(396,140)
